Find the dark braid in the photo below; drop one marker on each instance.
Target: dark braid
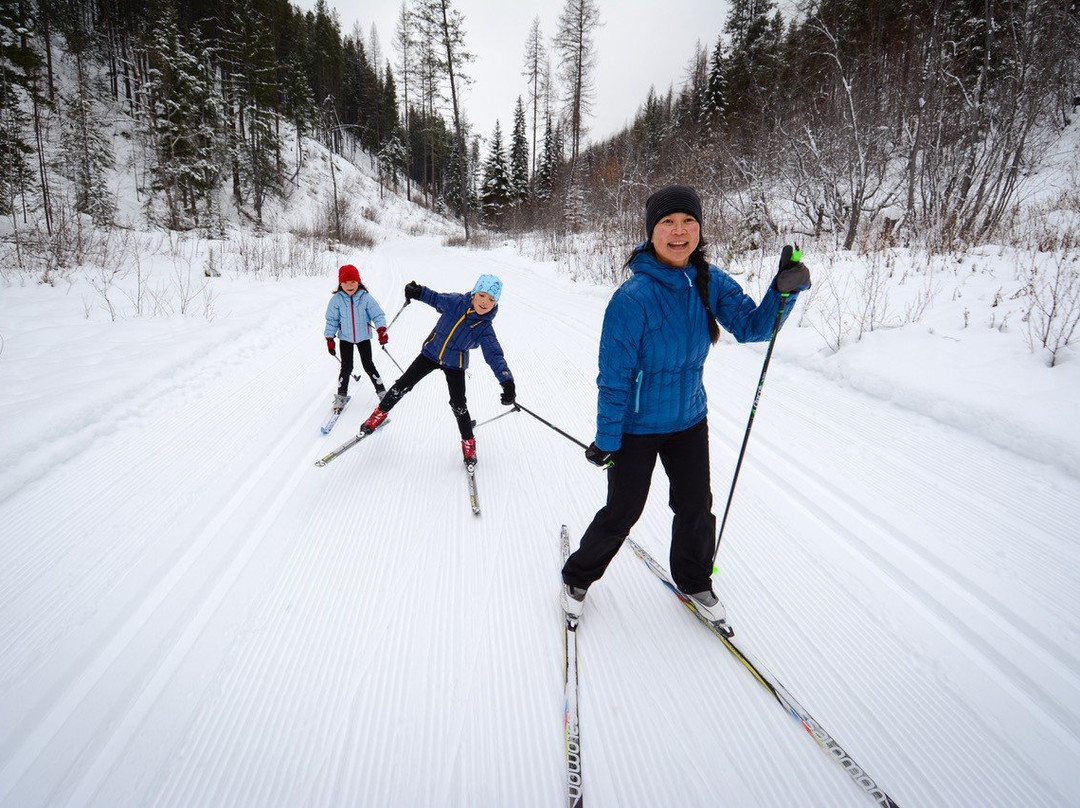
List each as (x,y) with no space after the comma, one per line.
(701,281)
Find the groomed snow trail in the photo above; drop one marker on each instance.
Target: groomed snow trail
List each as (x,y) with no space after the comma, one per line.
(192,613)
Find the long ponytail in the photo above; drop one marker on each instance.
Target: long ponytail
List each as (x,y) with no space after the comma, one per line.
(701,283)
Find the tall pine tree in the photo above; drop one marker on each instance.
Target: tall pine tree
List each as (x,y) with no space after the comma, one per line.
(519,158)
(18,62)
(495,192)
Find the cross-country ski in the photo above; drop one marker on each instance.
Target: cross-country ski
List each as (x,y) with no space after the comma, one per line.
(474,496)
(335,414)
(350,443)
(575,785)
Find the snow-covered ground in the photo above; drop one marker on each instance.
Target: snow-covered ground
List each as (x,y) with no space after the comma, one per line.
(192,613)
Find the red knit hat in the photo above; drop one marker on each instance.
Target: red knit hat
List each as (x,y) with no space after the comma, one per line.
(348,273)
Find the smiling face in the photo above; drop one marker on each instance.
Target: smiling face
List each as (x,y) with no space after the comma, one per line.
(482,302)
(349,287)
(675,237)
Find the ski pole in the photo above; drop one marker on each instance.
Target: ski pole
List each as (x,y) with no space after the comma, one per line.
(551,425)
(496,418)
(338,358)
(794,257)
(392,358)
(403,305)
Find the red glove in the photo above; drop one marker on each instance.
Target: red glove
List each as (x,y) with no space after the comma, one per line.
(383,336)
(330,346)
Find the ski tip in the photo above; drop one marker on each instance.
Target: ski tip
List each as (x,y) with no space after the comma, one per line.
(320,463)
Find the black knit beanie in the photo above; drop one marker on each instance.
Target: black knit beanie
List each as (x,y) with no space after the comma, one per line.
(672,199)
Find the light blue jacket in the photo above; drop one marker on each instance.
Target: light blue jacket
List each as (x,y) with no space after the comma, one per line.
(347,316)
(654,342)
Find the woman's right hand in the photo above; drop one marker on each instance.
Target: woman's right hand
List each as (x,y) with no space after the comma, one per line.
(598,457)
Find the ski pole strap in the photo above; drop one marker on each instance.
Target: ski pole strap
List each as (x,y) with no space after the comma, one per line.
(550,425)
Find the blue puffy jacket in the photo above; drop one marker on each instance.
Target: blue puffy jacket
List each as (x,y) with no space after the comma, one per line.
(347,316)
(460,329)
(654,343)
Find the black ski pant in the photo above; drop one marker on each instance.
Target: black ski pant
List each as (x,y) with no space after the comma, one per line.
(455,383)
(685,457)
(364,349)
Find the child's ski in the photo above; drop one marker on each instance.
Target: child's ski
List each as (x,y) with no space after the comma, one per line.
(325,428)
(571,730)
(351,442)
(474,499)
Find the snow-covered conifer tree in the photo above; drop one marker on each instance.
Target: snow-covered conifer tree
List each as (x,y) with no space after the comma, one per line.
(519,158)
(495,193)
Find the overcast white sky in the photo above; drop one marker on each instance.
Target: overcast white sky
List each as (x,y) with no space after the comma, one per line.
(641,43)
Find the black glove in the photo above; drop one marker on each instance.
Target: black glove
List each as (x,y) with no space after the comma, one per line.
(508,394)
(412,290)
(793,276)
(598,457)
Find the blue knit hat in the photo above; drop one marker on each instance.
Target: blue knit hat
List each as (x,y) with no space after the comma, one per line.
(488,284)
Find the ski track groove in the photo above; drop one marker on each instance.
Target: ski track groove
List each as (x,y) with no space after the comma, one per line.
(807,497)
(1070,568)
(1023,633)
(93,670)
(197,622)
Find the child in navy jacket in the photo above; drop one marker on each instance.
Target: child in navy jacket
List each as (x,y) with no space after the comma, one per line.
(465,324)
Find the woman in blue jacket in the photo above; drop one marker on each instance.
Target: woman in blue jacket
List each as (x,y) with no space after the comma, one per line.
(658,328)
(348,315)
(465,324)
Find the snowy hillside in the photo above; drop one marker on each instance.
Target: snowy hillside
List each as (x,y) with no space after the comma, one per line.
(193,614)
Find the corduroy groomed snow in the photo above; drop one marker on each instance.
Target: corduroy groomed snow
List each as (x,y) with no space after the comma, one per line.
(672,199)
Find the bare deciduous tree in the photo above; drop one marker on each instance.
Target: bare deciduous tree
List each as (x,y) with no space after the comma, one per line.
(536,74)
(447,24)
(577,56)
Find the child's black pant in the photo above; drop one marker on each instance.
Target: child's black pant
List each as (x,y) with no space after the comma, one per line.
(685,457)
(455,383)
(364,349)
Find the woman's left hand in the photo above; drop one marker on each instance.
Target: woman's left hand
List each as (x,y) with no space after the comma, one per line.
(793,276)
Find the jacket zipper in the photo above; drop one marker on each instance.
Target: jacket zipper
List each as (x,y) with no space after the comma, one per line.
(452,330)
(637,391)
